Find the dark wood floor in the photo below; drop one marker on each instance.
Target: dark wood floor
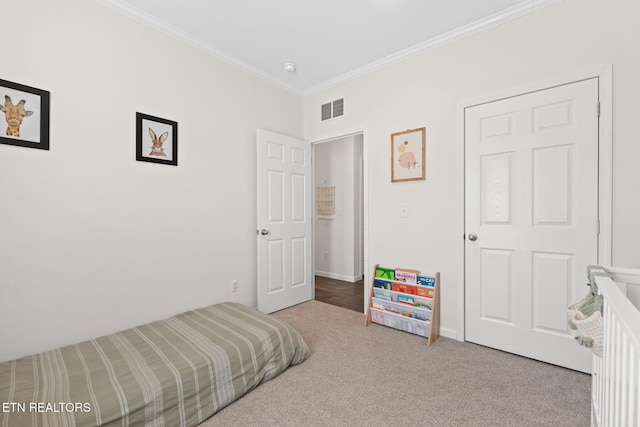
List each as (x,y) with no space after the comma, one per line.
(343,294)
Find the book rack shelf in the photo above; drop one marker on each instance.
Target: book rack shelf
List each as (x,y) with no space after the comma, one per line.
(405,305)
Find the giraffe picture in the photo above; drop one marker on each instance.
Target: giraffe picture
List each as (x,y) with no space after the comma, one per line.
(407,155)
(156,140)
(24,116)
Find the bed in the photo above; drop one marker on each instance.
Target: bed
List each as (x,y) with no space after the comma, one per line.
(615,389)
(174,372)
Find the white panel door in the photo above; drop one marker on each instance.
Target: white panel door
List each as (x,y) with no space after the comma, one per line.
(531,220)
(284,222)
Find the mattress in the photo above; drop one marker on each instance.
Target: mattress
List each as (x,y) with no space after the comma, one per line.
(174,372)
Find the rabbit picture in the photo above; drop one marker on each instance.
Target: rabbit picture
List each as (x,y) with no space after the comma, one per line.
(156,149)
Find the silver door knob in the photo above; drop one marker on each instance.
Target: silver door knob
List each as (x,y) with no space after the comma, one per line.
(264,232)
(473,237)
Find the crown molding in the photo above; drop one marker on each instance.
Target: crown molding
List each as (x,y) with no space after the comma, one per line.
(514,12)
(541,4)
(169,30)
(509,14)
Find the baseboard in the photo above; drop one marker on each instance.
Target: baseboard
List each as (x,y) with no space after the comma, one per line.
(335,276)
(448,333)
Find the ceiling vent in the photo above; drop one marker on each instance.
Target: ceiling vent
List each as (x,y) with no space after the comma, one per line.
(332,109)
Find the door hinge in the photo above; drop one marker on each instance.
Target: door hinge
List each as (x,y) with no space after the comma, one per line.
(598,108)
(598,227)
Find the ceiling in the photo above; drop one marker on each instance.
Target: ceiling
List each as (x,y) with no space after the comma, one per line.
(330,41)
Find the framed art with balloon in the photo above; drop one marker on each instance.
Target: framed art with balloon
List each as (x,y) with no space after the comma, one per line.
(407,155)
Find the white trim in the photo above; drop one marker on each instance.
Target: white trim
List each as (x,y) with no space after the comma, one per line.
(169,30)
(334,276)
(506,15)
(460,168)
(365,198)
(541,4)
(605,170)
(521,9)
(448,333)
(365,213)
(335,138)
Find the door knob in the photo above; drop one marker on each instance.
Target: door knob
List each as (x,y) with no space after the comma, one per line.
(473,237)
(264,232)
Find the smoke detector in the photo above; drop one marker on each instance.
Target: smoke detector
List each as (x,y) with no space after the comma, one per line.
(289,67)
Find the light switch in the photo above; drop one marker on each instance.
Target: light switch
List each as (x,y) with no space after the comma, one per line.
(404,210)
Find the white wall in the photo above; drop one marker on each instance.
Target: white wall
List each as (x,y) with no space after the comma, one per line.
(336,240)
(570,37)
(92,241)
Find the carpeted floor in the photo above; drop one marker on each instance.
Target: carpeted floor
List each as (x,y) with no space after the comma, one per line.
(377,376)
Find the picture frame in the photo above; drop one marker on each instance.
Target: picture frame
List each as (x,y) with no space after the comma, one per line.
(24,110)
(408,155)
(156,140)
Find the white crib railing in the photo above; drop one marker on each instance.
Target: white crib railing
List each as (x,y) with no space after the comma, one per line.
(616,375)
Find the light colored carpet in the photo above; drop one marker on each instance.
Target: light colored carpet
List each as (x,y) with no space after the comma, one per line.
(377,376)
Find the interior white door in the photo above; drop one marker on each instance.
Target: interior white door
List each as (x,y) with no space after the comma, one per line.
(284,232)
(531,220)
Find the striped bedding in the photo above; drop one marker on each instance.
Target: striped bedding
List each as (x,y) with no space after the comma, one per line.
(174,372)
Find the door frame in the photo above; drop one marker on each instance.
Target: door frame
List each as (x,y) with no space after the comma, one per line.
(365,201)
(605,167)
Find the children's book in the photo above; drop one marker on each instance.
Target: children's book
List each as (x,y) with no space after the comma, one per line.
(383,284)
(405,288)
(425,291)
(423,305)
(426,280)
(406,275)
(385,273)
(382,296)
(406,299)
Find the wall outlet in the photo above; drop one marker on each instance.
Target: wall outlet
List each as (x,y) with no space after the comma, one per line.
(234,285)
(326,255)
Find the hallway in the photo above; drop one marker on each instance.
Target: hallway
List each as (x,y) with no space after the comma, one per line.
(343,294)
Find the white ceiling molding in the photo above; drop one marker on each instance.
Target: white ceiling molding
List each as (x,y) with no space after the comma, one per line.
(541,4)
(509,14)
(506,15)
(177,34)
